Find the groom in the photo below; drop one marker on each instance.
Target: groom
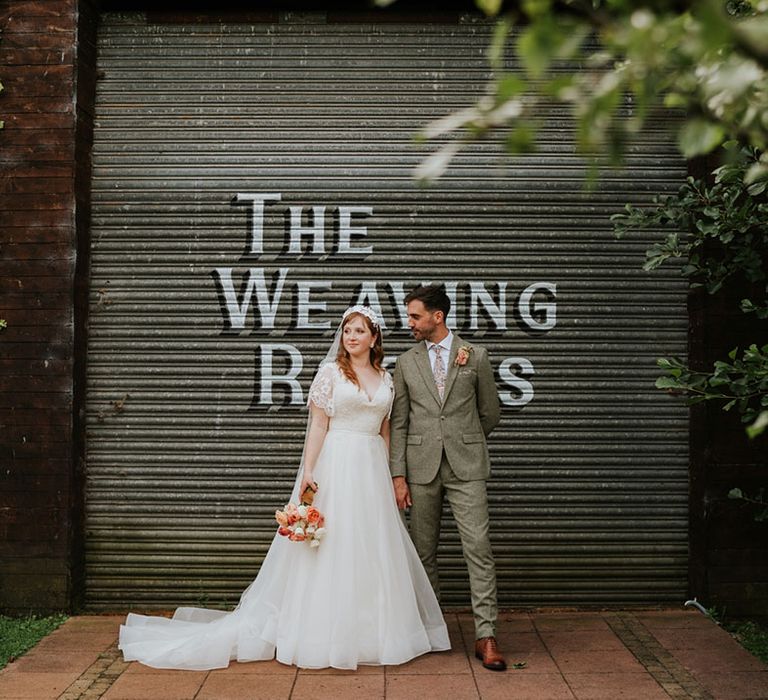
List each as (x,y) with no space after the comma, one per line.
(446,403)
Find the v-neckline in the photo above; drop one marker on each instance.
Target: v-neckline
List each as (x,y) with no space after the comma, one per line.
(375,393)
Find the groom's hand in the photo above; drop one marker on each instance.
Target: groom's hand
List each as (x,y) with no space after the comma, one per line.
(402,492)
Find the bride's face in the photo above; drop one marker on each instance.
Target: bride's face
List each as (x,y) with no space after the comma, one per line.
(356,337)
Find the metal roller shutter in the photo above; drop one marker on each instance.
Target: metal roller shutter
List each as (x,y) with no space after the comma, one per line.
(189,454)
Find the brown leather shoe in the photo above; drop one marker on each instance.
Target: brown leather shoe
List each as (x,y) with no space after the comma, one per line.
(487,651)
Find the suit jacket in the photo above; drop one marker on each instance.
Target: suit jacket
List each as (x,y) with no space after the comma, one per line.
(422,425)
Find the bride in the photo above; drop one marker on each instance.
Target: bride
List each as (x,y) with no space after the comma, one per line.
(362,596)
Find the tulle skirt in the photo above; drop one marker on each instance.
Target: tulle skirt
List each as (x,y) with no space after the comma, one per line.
(361,597)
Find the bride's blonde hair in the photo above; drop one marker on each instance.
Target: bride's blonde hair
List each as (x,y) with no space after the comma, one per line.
(376,352)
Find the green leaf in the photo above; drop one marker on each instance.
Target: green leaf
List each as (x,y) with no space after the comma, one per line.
(540,43)
(533,51)
(536,8)
(757,188)
(667,383)
(673,100)
(735,493)
(499,42)
(490,7)
(757,171)
(758,426)
(699,136)
(521,139)
(509,86)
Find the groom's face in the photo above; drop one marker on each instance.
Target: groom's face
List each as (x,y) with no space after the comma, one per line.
(423,323)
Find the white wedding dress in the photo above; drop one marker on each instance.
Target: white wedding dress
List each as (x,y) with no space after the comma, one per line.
(361,597)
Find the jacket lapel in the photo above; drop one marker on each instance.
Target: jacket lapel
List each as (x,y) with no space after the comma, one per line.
(422,362)
(452,368)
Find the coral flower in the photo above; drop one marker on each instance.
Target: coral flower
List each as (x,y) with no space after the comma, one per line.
(292,512)
(462,355)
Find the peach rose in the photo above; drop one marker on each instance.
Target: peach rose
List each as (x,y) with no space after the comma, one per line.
(313,515)
(282,518)
(292,512)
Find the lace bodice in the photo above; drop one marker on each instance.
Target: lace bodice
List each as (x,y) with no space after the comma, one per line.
(348,406)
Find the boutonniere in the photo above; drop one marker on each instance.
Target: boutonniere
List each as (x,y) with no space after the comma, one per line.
(462,355)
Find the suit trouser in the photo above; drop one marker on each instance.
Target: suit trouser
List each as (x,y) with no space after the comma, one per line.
(469,504)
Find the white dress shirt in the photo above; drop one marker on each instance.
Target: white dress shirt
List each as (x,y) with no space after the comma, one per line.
(445,352)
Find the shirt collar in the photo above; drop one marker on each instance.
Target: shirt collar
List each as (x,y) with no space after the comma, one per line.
(445,343)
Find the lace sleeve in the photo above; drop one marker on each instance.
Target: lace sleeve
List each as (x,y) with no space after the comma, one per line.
(391,386)
(321,391)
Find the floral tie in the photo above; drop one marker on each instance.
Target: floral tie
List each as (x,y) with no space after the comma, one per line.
(439,370)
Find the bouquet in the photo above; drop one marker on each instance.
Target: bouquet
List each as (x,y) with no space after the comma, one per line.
(302,523)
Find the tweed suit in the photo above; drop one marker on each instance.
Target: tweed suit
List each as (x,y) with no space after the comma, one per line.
(440,448)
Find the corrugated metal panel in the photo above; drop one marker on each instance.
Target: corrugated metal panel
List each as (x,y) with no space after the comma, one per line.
(589,492)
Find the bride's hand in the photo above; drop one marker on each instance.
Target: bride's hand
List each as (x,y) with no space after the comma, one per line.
(307,481)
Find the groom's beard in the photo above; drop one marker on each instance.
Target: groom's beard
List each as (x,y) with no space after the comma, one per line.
(424,334)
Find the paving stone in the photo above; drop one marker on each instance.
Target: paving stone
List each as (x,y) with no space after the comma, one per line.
(88,623)
(39,686)
(570,621)
(738,685)
(517,686)
(611,661)
(242,686)
(581,640)
(710,659)
(612,686)
(56,662)
(429,687)
(171,685)
(76,641)
(335,688)
(671,619)
(692,638)
(449,662)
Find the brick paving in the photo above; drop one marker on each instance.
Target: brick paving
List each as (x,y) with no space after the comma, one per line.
(632,655)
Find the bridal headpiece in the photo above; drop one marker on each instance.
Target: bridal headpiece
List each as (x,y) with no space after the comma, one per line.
(366,311)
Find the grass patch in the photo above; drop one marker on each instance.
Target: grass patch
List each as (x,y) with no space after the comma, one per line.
(19,634)
(753,637)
